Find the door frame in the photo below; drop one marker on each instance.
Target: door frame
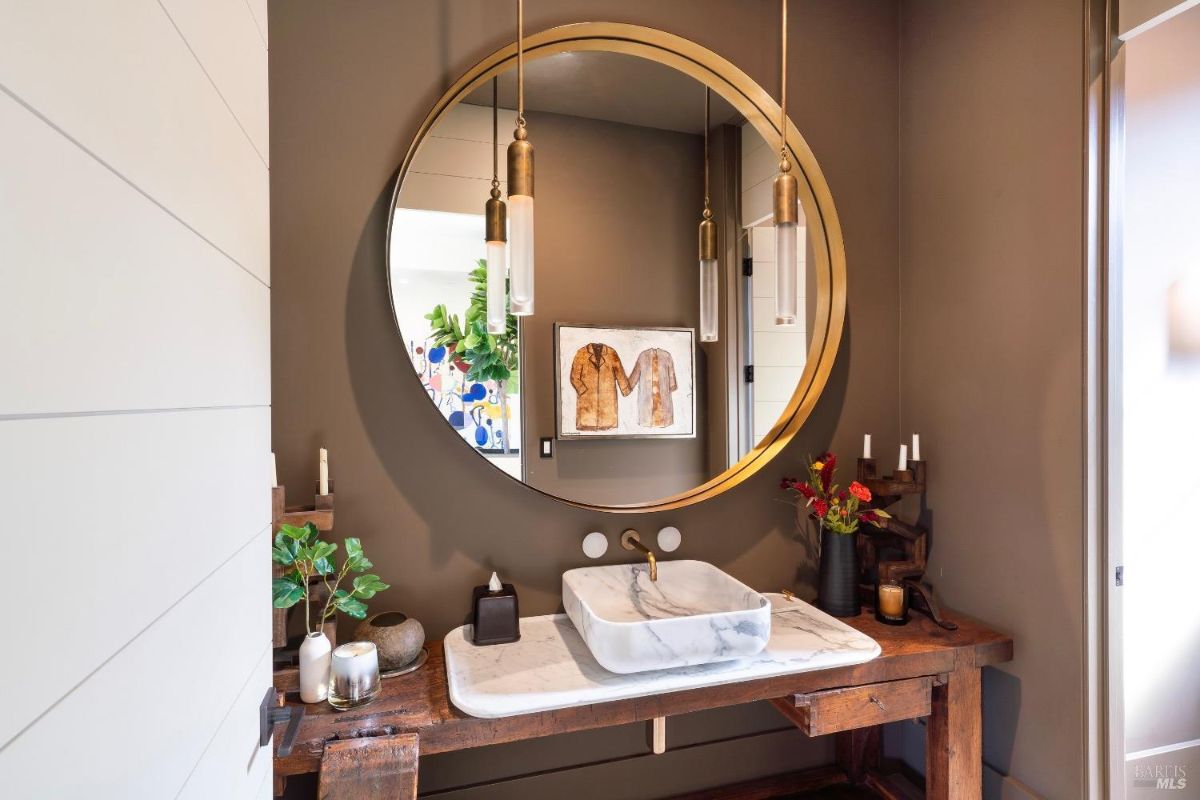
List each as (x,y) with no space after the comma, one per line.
(1104,72)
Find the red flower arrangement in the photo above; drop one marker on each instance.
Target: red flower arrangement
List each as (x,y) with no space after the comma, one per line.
(834,508)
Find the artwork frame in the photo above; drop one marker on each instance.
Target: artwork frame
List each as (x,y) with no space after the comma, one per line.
(623,407)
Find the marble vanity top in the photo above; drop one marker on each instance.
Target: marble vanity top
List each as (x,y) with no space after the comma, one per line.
(551,667)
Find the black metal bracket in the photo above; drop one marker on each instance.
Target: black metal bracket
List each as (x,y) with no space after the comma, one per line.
(748,266)
(749,373)
(270,714)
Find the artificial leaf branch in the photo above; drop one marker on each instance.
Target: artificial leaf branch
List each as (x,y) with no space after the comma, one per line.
(309,557)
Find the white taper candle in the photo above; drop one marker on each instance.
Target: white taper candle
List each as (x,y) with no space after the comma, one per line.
(866,445)
(903,458)
(916,447)
(323,486)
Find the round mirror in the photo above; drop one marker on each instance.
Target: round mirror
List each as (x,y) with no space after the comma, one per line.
(606,396)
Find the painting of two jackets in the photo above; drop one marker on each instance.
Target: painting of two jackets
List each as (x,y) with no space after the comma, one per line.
(614,382)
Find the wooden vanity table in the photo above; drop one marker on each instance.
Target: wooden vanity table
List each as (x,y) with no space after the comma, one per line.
(923,671)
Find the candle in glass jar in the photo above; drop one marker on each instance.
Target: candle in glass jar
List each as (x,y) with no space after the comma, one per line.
(353,675)
(891,600)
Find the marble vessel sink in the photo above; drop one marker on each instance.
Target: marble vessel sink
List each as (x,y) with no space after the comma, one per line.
(693,614)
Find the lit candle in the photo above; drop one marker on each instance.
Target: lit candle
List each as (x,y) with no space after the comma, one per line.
(903,458)
(916,447)
(274,473)
(891,600)
(324,472)
(866,445)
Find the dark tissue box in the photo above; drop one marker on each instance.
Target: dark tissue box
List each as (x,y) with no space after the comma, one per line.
(495,615)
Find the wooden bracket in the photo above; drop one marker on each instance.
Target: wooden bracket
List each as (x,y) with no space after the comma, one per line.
(656,735)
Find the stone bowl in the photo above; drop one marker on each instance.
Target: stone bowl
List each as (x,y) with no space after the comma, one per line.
(398,638)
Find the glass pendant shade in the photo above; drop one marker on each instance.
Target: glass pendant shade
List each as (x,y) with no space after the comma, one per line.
(497,268)
(518,309)
(785,273)
(709,314)
(520,214)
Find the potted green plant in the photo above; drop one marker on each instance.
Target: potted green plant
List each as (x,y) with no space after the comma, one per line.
(312,564)
(488,356)
(837,513)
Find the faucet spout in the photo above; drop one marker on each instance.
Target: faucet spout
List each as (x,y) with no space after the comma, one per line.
(630,540)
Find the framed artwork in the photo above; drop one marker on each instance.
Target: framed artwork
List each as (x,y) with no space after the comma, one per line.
(614,382)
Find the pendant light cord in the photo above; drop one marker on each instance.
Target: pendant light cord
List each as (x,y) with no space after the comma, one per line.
(520,63)
(783,156)
(495,134)
(707,101)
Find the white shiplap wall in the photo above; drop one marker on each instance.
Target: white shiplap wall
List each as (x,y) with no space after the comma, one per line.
(780,353)
(453,168)
(135,397)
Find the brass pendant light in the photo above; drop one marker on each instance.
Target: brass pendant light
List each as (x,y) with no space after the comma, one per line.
(786,194)
(520,189)
(709,279)
(496,237)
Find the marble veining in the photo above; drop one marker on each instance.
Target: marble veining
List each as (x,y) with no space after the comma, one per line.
(551,667)
(693,614)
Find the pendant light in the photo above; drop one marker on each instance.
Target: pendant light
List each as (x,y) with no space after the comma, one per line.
(520,189)
(496,237)
(708,250)
(785,207)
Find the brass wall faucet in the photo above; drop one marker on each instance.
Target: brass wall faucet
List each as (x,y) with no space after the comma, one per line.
(630,540)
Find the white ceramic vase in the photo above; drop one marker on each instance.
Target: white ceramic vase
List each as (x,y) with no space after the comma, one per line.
(315,656)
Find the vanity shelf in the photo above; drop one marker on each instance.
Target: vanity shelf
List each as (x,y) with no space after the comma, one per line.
(414,711)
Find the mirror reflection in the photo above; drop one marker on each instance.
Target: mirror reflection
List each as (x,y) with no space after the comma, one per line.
(606,395)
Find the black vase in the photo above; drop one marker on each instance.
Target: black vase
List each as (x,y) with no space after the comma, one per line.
(837,586)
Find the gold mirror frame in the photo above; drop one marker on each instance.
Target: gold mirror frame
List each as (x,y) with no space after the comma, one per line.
(753,102)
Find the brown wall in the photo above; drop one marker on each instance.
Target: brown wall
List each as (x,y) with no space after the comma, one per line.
(991,275)
(349,86)
(617,207)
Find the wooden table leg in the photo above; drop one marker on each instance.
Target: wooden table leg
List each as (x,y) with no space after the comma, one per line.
(858,752)
(954,738)
(368,767)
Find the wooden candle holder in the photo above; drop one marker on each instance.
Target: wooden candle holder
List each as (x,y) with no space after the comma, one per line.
(889,489)
(911,539)
(321,515)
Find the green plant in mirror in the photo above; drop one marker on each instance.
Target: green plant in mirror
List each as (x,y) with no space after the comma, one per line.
(302,549)
(489,357)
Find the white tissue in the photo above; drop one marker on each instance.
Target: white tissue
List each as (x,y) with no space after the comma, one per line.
(494,584)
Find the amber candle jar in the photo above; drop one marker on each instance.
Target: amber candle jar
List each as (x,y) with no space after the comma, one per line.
(891,602)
